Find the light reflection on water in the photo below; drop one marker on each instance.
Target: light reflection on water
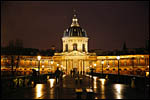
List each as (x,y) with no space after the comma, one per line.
(38,89)
(52,93)
(102,81)
(64,76)
(96,98)
(51,85)
(102,86)
(87,75)
(95,83)
(119,90)
(51,81)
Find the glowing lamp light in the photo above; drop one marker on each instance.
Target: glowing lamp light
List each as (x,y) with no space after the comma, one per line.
(108,66)
(102,62)
(39,57)
(118,57)
(57,64)
(52,62)
(94,64)
(36,69)
(42,66)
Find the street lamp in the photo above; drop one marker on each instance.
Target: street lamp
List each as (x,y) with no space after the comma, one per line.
(102,66)
(61,67)
(133,65)
(118,58)
(58,66)
(42,68)
(39,58)
(95,67)
(52,62)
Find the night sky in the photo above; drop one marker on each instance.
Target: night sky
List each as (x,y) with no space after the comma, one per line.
(107,23)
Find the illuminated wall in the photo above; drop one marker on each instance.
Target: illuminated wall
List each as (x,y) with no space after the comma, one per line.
(75,40)
(129,64)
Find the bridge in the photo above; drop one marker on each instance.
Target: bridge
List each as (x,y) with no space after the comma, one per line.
(96,86)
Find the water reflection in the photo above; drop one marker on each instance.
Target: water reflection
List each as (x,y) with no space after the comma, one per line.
(119,91)
(102,86)
(47,77)
(95,83)
(51,81)
(96,97)
(90,76)
(87,75)
(52,93)
(38,89)
(64,76)
(102,81)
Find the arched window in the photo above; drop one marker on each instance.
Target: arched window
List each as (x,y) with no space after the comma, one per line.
(83,47)
(66,47)
(75,46)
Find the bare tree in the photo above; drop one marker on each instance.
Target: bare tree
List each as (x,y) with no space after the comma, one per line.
(15,49)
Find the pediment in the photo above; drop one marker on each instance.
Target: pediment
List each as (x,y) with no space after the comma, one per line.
(74,53)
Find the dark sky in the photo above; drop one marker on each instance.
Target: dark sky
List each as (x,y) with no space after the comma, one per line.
(107,23)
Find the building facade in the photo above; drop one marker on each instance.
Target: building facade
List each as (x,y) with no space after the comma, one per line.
(75,56)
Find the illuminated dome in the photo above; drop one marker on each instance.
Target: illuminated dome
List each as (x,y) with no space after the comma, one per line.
(75,30)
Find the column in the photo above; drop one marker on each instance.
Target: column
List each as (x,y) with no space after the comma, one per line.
(78,65)
(138,62)
(83,67)
(72,64)
(145,61)
(66,66)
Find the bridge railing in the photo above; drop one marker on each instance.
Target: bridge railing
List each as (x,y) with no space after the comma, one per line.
(25,81)
(139,81)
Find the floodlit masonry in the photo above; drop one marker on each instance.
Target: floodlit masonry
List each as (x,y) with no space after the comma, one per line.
(128,64)
(75,56)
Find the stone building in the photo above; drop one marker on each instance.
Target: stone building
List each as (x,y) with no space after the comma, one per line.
(75,56)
